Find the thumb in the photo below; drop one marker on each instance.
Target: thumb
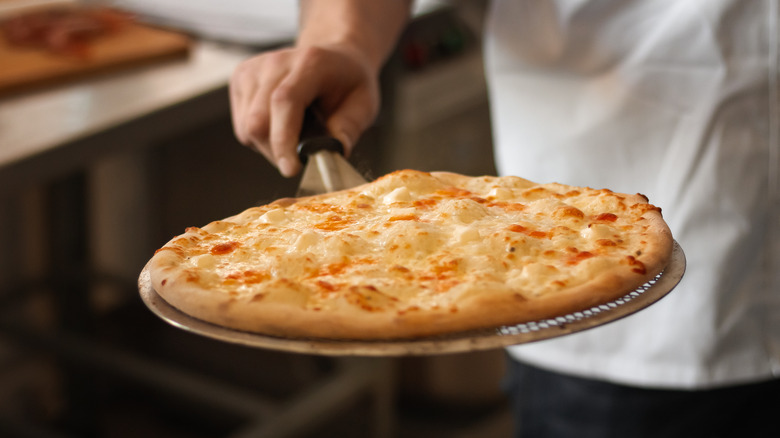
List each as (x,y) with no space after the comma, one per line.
(351,119)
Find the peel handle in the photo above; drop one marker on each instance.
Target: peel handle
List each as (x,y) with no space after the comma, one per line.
(315,137)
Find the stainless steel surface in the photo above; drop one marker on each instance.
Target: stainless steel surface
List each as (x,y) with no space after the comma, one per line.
(327,171)
(460,342)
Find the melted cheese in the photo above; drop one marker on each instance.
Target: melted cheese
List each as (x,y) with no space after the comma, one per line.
(413,240)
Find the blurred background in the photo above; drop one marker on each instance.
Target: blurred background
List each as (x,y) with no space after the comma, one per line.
(107,154)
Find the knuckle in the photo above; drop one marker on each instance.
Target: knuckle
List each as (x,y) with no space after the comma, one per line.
(283,93)
(313,59)
(244,70)
(257,125)
(266,61)
(312,54)
(275,59)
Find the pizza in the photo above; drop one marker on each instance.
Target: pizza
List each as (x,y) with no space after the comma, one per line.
(414,254)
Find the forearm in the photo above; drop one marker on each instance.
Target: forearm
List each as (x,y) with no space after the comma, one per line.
(369,28)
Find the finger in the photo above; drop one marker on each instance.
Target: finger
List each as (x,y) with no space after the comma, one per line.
(250,99)
(241,86)
(285,132)
(288,103)
(257,120)
(352,117)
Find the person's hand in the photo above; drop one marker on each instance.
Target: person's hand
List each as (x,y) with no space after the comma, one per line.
(270,92)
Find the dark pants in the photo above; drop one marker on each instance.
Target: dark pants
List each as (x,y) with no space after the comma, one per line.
(548,404)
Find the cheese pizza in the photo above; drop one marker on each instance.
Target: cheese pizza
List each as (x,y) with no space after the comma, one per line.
(414,254)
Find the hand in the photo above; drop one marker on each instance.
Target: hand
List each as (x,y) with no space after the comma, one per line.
(269,93)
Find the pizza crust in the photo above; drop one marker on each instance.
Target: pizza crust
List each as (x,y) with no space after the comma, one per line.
(322,286)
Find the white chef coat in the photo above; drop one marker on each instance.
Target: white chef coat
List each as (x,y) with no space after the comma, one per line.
(676,100)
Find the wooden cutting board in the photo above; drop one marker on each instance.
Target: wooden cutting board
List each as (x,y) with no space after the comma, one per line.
(134,45)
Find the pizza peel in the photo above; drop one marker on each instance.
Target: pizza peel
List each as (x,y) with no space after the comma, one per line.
(476,340)
(326,170)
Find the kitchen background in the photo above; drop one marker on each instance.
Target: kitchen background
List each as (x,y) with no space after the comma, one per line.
(80,355)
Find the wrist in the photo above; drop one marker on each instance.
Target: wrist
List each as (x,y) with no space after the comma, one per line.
(366,31)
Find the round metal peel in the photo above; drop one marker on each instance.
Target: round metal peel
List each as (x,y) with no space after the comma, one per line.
(455,343)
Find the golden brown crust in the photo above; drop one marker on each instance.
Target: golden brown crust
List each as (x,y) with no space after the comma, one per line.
(552,250)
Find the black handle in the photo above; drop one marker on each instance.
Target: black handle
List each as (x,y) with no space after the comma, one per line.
(315,137)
